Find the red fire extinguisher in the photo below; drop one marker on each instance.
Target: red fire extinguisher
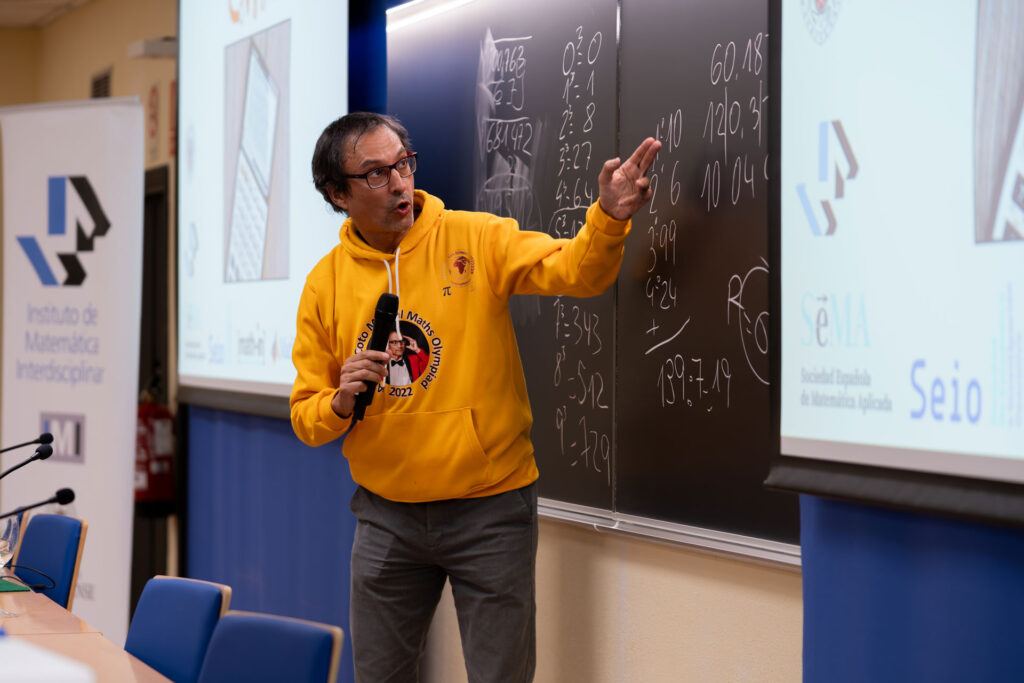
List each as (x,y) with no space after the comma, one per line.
(154,453)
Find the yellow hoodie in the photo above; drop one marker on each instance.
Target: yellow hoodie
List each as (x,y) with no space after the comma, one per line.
(461,429)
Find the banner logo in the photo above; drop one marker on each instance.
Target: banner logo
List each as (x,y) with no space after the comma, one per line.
(56,222)
(829,131)
(68,436)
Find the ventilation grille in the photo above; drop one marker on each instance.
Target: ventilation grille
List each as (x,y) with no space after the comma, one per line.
(101,85)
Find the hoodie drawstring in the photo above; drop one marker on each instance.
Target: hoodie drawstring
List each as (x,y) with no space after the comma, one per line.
(398,289)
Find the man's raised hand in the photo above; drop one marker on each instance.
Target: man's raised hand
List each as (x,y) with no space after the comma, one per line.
(624,186)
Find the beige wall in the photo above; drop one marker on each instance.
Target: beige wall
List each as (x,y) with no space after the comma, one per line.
(618,609)
(19,73)
(93,38)
(58,62)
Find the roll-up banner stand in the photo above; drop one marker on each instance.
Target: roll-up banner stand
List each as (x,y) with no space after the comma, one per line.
(72,183)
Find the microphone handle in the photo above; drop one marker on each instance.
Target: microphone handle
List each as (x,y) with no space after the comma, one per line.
(18,511)
(378,342)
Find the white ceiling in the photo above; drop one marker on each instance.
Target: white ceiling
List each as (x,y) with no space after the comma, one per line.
(34,13)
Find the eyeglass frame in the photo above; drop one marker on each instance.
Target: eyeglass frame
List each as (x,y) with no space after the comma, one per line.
(410,158)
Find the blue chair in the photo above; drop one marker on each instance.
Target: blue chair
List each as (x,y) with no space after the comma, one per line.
(173,622)
(51,548)
(259,648)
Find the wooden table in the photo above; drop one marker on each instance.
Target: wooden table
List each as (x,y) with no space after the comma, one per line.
(38,615)
(44,623)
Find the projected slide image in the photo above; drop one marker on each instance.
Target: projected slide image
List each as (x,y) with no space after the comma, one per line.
(999,122)
(250,223)
(902,218)
(256,153)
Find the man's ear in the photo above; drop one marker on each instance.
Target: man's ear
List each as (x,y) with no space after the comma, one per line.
(339,199)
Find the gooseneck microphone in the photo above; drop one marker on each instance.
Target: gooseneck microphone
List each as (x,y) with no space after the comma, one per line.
(383,324)
(42,453)
(44,438)
(63,497)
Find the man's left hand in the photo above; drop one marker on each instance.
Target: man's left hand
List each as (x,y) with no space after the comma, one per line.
(624,186)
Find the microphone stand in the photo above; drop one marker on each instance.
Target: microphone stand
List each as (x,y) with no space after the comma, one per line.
(42,438)
(63,497)
(42,453)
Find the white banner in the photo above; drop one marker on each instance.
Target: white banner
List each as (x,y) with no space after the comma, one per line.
(72,195)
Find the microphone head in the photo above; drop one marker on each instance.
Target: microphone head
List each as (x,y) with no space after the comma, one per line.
(45,437)
(387,304)
(43,452)
(65,496)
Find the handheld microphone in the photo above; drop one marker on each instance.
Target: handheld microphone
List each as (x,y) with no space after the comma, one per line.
(383,323)
(63,497)
(42,453)
(44,438)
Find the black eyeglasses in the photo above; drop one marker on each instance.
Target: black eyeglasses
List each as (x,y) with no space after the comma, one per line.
(379,177)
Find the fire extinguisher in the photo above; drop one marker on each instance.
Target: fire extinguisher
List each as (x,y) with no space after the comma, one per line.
(154,453)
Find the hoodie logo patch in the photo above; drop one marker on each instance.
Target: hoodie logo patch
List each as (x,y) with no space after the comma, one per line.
(415,354)
(461,267)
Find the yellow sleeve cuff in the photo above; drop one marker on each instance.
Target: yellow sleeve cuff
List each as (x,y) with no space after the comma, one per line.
(331,419)
(601,221)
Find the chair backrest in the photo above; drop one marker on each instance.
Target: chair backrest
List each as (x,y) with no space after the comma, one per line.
(173,622)
(262,647)
(52,544)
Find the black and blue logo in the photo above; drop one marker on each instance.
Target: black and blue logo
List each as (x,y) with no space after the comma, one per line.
(74,273)
(827,165)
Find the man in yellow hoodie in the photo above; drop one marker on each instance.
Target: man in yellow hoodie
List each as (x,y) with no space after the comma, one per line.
(445,465)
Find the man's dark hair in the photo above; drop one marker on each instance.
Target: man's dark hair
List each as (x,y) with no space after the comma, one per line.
(333,145)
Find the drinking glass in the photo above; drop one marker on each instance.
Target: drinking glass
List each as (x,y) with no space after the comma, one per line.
(8,539)
(9,528)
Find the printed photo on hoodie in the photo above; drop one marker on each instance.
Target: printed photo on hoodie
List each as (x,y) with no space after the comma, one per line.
(409,354)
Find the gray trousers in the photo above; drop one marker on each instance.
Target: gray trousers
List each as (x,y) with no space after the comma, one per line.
(401,557)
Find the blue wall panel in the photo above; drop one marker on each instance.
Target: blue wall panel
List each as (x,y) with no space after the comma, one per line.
(897,596)
(269,517)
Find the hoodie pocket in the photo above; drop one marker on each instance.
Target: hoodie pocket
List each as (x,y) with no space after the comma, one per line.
(416,457)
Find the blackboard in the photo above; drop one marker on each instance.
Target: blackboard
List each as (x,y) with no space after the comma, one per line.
(652,400)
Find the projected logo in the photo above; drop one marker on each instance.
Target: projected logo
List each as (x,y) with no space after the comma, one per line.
(68,435)
(242,10)
(834,152)
(74,273)
(820,17)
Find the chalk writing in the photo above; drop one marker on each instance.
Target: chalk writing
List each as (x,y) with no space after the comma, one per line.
(752,322)
(578,328)
(728,119)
